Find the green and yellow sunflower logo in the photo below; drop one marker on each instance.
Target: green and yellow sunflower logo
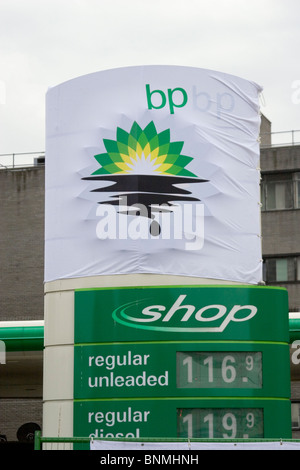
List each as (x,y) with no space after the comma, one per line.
(143,151)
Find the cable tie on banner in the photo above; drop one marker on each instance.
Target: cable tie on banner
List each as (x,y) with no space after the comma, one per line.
(189,443)
(262,99)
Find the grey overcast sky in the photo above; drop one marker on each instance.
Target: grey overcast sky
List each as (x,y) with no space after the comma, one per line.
(46,42)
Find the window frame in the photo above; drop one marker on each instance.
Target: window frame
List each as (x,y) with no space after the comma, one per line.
(289,178)
(292,259)
(297,190)
(295,402)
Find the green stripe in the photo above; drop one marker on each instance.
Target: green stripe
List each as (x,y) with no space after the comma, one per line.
(23,338)
(32,338)
(194,286)
(181,342)
(180,399)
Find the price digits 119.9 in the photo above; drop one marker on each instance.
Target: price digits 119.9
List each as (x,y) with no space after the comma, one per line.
(210,423)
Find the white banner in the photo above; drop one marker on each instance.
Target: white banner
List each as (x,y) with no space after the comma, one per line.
(189,446)
(153,169)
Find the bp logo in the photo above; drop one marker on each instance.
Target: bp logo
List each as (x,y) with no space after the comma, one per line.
(146,175)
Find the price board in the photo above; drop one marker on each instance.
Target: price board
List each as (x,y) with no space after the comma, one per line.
(204,362)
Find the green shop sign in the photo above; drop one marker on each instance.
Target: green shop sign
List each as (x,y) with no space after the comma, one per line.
(184,361)
(187,312)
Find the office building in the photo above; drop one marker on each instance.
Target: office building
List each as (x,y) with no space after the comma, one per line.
(22,272)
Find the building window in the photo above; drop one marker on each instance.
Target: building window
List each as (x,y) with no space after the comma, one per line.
(280,191)
(277,192)
(297,190)
(282,269)
(296,415)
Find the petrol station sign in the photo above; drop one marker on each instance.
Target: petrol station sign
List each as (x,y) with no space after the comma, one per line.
(184,361)
(149,172)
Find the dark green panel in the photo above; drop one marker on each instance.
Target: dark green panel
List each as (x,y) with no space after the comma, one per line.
(172,418)
(181,369)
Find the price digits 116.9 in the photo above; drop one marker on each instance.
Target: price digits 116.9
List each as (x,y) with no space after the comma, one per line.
(197,369)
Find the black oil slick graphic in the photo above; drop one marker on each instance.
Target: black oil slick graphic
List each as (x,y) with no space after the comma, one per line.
(145,194)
